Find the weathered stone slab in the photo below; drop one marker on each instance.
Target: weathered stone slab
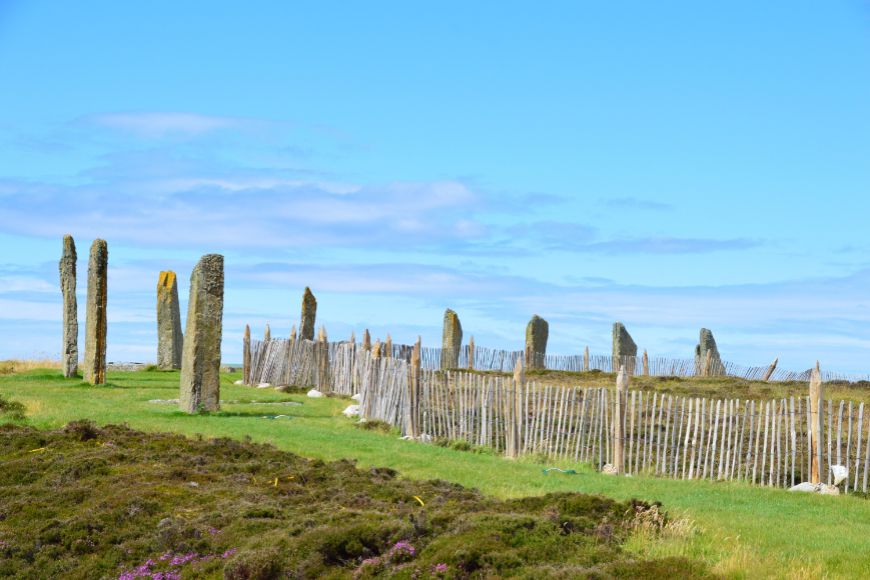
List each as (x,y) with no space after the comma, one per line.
(201,364)
(537,332)
(246,356)
(94,370)
(624,348)
(451,340)
(707,361)
(170,341)
(69,351)
(309,315)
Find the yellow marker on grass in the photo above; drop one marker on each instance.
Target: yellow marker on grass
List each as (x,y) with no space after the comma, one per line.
(420,500)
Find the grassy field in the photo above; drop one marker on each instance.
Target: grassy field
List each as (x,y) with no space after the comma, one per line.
(738,530)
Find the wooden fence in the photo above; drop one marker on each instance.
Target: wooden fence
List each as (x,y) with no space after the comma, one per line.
(761,442)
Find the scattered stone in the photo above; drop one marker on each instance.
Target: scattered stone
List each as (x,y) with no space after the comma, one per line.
(309,315)
(264,386)
(825,489)
(351,411)
(170,341)
(707,360)
(608,469)
(239,382)
(451,340)
(624,348)
(804,487)
(425,438)
(192,484)
(201,363)
(537,332)
(69,352)
(94,371)
(164,401)
(357,397)
(840,472)
(314,394)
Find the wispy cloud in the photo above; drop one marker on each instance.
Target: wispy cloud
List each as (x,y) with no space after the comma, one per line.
(636,203)
(668,245)
(162,124)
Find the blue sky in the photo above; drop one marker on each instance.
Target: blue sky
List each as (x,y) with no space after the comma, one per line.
(672,165)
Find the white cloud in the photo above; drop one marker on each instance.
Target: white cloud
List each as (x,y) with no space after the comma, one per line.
(153,125)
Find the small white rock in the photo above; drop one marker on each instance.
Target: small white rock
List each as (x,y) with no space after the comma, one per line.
(825,489)
(351,411)
(425,438)
(239,382)
(841,472)
(805,486)
(315,394)
(608,469)
(264,386)
(357,397)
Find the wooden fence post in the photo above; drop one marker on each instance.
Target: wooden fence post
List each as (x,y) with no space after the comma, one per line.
(816,423)
(293,333)
(619,420)
(323,383)
(412,401)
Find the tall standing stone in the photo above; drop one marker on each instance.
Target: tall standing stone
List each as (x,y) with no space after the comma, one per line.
(94,370)
(537,332)
(69,352)
(201,364)
(309,315)
(170,341)
(267,333)
(246,355)
(624,349)
(707,361)
(451,340)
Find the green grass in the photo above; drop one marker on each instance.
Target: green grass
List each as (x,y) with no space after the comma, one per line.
(739,530)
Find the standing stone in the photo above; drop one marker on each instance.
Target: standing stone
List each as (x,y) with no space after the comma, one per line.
(246,356)
(169,338)
(707,361)
(95,314)
(309,314)
(69,352)
(624,349)
(537,332)
(267,334)
(451,340)
(201,365)
(367,341)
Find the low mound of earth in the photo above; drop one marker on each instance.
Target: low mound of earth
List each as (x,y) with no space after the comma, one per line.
(112,502)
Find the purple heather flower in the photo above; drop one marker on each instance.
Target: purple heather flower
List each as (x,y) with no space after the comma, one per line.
(229,553)
(441,568)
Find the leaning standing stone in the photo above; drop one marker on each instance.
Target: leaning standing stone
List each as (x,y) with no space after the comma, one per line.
(309,315)
(95,314)
(169,338)
(624,349)
(201,364)
(451,340)
(537,332)
(69,353)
